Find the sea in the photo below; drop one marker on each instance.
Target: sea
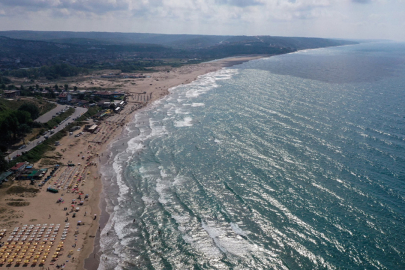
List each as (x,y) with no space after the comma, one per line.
(294,161)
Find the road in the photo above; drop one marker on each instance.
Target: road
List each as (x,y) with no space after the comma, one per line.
(48,116)
(78,112)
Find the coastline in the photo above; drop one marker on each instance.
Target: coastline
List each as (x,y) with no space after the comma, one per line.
(183,75)
(82,219)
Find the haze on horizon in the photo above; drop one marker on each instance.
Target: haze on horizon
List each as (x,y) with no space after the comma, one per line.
(349,19)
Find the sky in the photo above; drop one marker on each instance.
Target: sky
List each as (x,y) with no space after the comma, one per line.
(350,19)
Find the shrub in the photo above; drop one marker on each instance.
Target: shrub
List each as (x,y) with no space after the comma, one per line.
(20,189)
(18,203)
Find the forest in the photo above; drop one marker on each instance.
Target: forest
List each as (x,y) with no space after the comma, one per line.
(15,123)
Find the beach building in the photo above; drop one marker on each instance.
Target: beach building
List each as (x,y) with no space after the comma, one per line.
(104,94)
(109,95)
(4,176)
(18,167)
(107,104)
(92,128)
(83,103)
(119,95)
(102,114)
(31,174)
(64,97)
(11,93)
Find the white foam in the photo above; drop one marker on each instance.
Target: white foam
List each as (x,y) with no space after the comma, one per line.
(328,191)
(119,228)
(123,188)
(181,219)
(147,200)
(217,141)
(181,111)
(226,242)
(186,122)
(203,84)
(209,251)
(197,105)
(237,230)
(178,180)
(163,173)
(162,188)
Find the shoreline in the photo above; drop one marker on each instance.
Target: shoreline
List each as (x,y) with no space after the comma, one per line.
(93,259)
(76,245)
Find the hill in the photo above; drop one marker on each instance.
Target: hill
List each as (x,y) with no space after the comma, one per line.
(27,49)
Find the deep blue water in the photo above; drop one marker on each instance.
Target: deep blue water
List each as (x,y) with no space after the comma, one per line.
(291,162)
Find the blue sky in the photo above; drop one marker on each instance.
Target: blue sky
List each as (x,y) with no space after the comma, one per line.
(364,19)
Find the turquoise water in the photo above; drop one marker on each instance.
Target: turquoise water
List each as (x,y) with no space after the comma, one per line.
(290,162)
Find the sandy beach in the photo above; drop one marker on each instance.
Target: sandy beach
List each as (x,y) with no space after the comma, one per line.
(70,245)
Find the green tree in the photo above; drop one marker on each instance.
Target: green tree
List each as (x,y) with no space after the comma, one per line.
(10,125)
(66,87)
(37,86)
(31,108)
(24,129)
(56,87)
(75,88)
(22,116)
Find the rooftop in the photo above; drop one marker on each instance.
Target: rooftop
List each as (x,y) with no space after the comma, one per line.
(18,166)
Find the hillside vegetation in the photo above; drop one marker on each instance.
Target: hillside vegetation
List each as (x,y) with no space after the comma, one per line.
(63,54)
